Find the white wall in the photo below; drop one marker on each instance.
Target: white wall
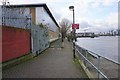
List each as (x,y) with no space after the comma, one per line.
(43,17)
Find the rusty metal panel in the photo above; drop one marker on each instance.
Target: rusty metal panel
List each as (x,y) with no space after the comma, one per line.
(15,42)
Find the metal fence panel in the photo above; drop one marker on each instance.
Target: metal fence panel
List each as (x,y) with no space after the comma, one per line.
(39,39)
(15,43)
(13,17)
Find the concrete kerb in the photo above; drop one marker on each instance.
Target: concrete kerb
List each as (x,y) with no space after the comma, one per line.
(89,74)
(86,70)
(16,61)
(53,40)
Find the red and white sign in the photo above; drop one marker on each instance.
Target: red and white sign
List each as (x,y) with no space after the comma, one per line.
(75,26)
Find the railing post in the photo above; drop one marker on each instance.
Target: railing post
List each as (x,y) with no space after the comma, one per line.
(73,50)
(86,58)
(98,67)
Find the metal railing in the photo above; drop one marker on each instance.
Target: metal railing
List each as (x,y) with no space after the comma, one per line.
(88,56)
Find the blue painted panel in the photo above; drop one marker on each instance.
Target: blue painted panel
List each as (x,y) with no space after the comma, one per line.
(40,38)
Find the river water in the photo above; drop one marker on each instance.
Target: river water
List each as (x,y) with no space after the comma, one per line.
(105,46)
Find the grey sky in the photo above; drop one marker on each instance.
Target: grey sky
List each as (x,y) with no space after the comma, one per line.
(92,15)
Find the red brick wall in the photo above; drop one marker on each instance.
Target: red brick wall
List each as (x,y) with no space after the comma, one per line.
(15,43)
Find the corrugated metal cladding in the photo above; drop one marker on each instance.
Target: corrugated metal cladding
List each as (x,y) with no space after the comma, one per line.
(15,42)
(39,39)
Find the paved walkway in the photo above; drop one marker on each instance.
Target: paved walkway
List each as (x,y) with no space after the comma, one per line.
(56,44)
(53,63)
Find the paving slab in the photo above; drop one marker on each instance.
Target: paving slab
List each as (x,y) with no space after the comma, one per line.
(52,63)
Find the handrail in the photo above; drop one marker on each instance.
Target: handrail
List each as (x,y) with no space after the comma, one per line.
(99,55)
(99,72)
(104,57)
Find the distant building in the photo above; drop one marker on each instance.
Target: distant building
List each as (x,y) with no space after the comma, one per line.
(85,34)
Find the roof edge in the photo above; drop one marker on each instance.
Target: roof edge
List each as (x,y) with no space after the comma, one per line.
(37,5)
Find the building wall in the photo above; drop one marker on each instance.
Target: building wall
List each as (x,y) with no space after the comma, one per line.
(43,17)
(39,15)
(53,35)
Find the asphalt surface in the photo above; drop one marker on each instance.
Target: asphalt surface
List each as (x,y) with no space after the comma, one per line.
(55,62)
(56,44)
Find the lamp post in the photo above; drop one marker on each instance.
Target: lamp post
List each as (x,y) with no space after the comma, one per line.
(72,9)
(74,30)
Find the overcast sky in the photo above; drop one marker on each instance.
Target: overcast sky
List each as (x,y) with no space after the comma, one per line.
(92,15)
